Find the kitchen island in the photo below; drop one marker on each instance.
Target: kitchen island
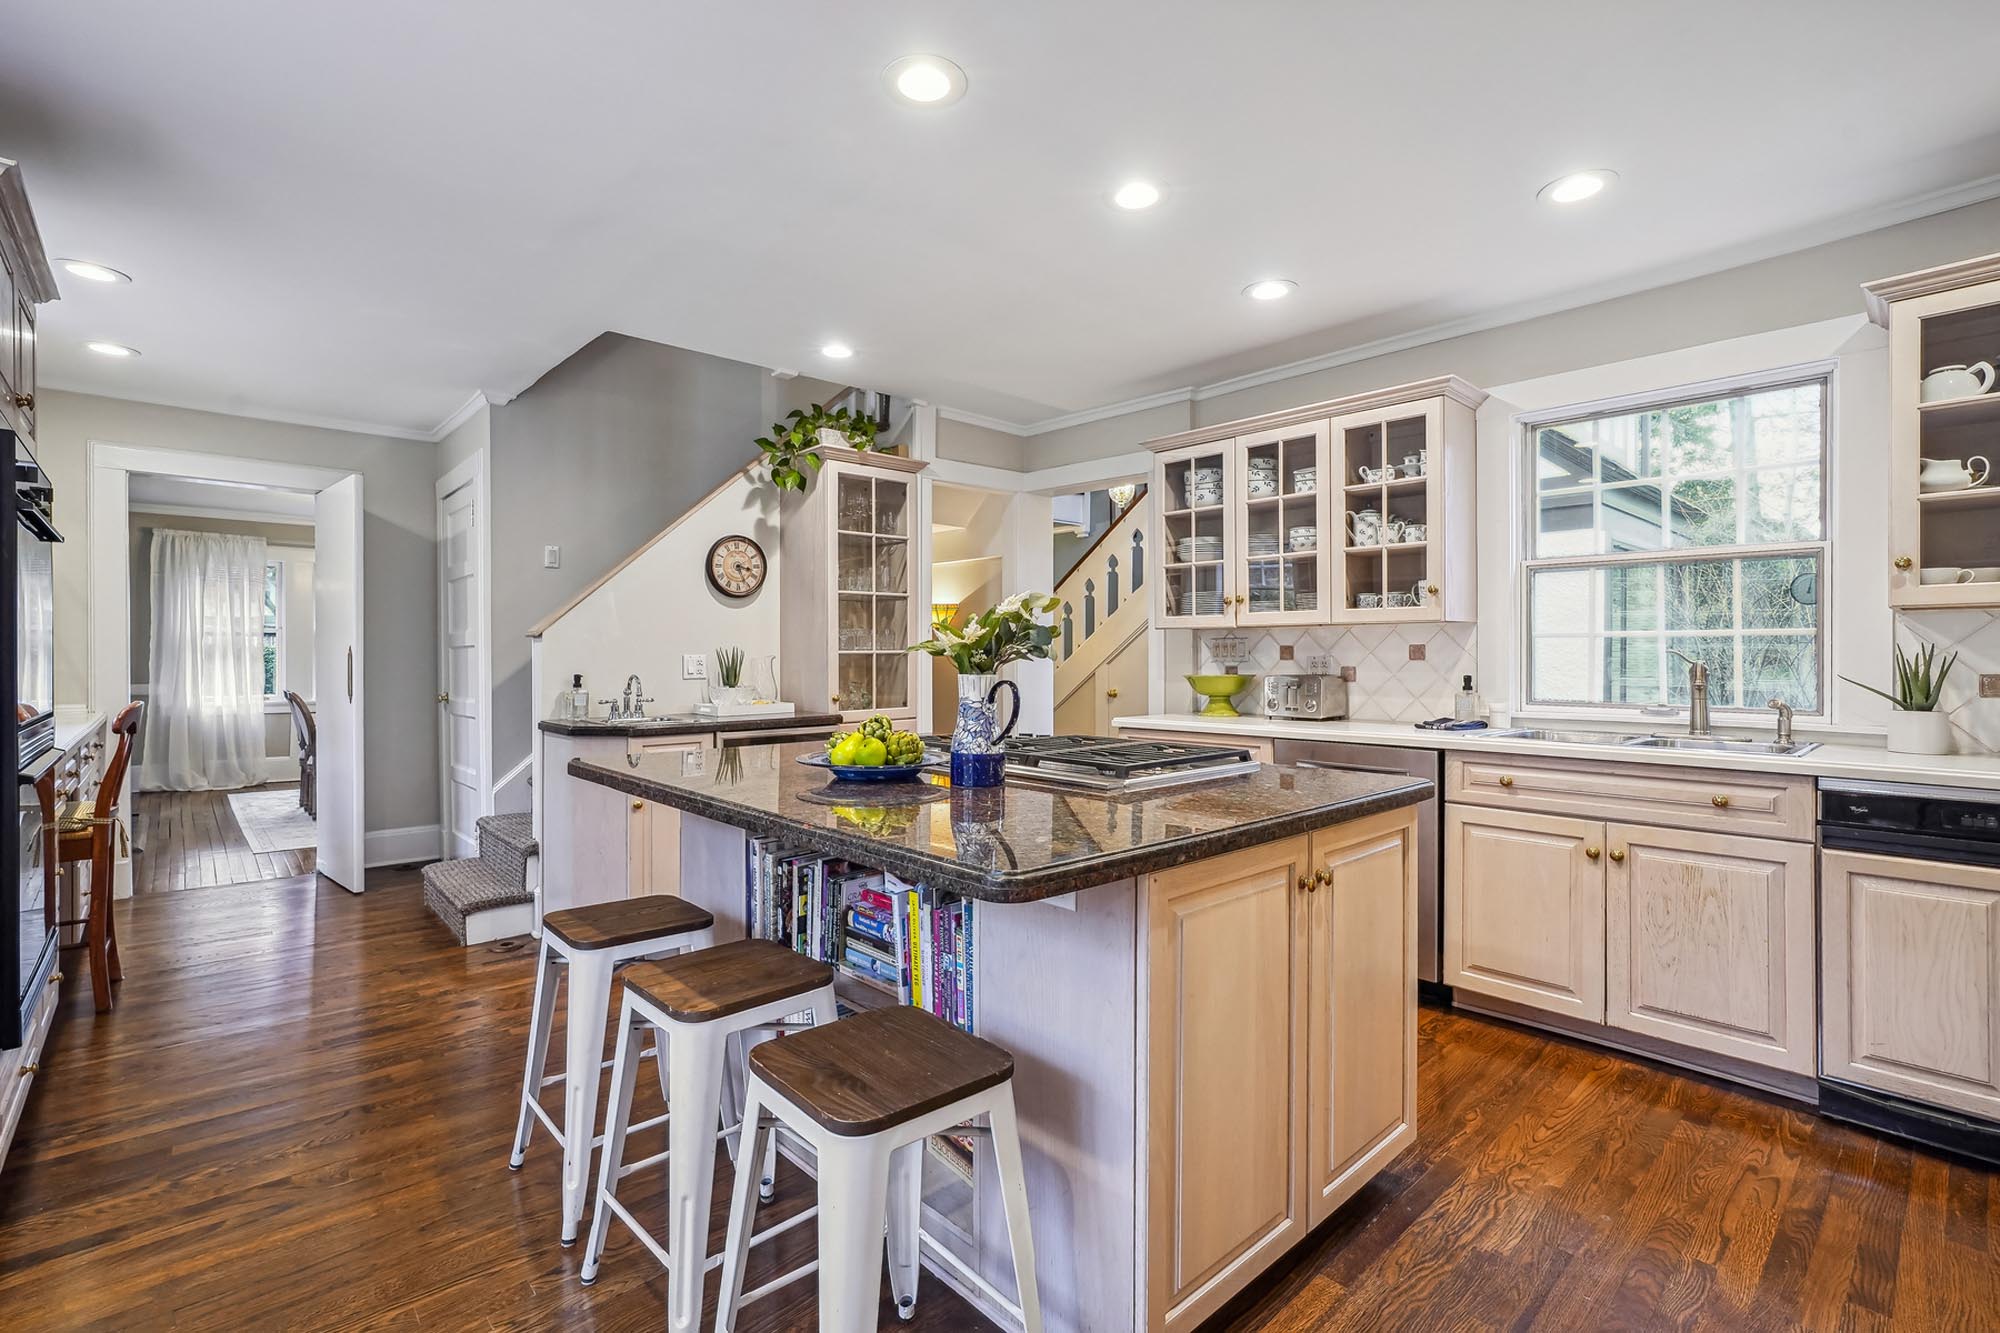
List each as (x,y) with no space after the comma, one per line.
(1209,991)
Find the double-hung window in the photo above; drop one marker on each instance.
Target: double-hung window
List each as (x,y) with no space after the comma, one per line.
(1691,525)
(274,629)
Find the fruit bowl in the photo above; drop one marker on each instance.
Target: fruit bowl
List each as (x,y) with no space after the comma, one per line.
(868,772)
(1219,690)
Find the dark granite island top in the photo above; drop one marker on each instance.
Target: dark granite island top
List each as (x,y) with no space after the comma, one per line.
(1020,842)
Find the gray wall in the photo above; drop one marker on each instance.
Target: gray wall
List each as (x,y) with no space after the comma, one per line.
(1798,288)
(597,456)
(399,557)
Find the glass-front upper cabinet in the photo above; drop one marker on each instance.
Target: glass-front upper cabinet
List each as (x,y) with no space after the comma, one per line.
(1197,486)
(1282,553)
(1944,499)
(1392,506)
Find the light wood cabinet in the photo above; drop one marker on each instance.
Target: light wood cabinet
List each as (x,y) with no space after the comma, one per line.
(652,830)
(1709,942)
(1941,317)
(1253,523)
(1769,805)
(1280,1048)
(1910,975)
(1524,909)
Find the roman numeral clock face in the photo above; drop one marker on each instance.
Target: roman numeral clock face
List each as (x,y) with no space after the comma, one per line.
(736,567)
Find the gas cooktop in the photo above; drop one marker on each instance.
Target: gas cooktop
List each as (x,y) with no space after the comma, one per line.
(1113,764)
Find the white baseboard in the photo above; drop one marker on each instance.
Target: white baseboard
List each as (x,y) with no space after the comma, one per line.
(402,846)
(281,768)
(499,923)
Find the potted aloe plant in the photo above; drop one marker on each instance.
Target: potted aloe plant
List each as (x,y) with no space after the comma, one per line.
(1006,633)
(1916,726)
(791,450)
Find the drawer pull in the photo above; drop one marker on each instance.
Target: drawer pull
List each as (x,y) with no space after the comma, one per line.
(1617,855)
(1592,852)
(1904,562)
(638,805)
(55,978)
(1506,781)
(1305,884)
(1719,802)
(30,1070)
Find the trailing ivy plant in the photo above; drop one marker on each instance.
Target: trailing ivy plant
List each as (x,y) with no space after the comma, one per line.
(791,450)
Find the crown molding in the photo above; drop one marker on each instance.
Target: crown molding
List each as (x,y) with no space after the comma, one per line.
(984,422)
(262,414)
(466,411)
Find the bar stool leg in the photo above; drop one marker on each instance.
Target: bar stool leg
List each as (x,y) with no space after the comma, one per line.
(742,1210)
(698,1058)
(1014,1195)
(906,1197)
(853,1195)
(589,1000)
(618,1116)
(539,1023)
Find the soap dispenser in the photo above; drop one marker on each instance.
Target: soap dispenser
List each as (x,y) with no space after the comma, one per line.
(1466,705)
(579,697)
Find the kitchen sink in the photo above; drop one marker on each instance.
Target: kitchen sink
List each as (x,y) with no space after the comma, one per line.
(1722,745)
(1561,737)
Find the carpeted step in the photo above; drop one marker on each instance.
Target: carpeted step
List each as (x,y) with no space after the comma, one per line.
(455,890)
(505,843)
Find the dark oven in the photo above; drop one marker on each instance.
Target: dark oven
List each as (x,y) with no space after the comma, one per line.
(27,926)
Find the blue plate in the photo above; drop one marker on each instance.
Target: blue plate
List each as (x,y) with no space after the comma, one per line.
(865,773)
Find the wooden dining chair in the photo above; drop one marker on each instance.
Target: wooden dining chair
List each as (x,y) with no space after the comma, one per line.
(85,831)
(308,736)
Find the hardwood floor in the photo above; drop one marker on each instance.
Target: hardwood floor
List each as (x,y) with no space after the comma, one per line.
(191,840)
(299,1114)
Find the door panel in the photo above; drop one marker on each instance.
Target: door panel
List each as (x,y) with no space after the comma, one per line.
(337,681)
(1226,1087)
(458,631)
(1524,909)
(1708,942)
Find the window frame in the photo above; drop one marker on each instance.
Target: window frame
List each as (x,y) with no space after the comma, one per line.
(1820,552)
(277,562)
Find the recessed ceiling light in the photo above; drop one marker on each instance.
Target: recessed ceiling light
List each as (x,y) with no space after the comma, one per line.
(112,349)
(90,272)
(925,80)
(1271,289)
(1137,194)
(837,351)
(1577,186)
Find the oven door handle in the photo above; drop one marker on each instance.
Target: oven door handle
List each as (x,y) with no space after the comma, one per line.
(40,527)
(1355,768)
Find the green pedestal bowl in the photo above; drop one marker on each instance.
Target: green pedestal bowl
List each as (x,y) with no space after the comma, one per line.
(1219,690)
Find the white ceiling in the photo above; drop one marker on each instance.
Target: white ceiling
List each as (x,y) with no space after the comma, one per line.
(367,211)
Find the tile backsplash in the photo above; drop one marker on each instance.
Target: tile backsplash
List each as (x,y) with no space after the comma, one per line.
(1975,636)
(1387,685)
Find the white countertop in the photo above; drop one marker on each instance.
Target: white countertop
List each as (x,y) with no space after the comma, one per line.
(1865,763)
(75,724)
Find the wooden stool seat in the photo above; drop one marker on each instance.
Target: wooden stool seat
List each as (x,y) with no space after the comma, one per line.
(879,1069)
(625,921)
(726,980)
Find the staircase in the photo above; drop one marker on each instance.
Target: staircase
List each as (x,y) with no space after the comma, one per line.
(1101,644)
(486,897)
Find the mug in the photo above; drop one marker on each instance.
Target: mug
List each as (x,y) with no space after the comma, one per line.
(1416,464)
(1418,597)
(1393,530)
(1376,474)
(1414,532)
(1945,574)
(1984,574)
(1368,601)
(1364,528)
(1398,599)
(1302,538)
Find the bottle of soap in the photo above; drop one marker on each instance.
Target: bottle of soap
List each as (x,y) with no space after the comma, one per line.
(1466,705)
(579,697)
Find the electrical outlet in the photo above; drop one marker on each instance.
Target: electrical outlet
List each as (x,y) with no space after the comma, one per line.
(1417,651)
(1319,664)
(552,557)
(694,666)
(1989,685)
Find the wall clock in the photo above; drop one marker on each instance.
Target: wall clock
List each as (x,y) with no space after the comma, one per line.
(736,567)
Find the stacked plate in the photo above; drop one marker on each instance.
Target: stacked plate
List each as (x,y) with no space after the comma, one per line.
(1305,601)
(1191,549)
(1262,543)
(1207,604)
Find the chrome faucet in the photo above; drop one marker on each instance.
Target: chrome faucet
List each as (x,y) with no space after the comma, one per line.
(634,698)
(1784,720)
(1697,693)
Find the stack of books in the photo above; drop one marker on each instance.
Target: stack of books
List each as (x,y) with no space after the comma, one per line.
(904,939)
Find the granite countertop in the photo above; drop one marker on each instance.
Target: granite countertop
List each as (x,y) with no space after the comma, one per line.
(1016,843)
(683,724)
(1837,759)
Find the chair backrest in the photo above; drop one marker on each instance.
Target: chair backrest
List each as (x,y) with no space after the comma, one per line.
(302,719)
(124,726)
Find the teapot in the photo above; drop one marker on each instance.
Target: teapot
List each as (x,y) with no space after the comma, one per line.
(1951,474)
(1364,528)
(1957,382)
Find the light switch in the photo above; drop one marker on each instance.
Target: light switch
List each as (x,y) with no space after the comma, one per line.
(694,666)
(552,557)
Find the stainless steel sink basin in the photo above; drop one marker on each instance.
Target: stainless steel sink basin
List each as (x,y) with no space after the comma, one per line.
(1561,737)
(1723,745)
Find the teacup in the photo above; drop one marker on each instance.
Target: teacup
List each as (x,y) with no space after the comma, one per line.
(1377,474)
(1944,574)
(1984,574)
(1393,530)
(1399,599)
(1416,464)
(1419,594)
(1414,532)
(1368,601)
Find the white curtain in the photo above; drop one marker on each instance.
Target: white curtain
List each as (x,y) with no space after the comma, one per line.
(205,717)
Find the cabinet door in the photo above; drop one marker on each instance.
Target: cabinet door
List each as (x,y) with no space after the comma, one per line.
(875,614)
(1280,565)
(1389,513)
(652,830)
(10,356)
(1524,908)
(1910,963)
(24,374)
(1226,988)
(1709,942)
(1361,1005)
(1195,535)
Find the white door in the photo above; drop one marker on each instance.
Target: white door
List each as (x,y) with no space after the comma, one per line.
(458,671)
(337,680)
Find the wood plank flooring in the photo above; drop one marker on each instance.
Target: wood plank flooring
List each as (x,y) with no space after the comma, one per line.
(191,840)
(299,1114)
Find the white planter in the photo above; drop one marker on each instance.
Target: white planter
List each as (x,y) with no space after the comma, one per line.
(1919,733)
(833,439)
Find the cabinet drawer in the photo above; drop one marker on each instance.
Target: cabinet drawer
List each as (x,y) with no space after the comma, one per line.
(1764,805)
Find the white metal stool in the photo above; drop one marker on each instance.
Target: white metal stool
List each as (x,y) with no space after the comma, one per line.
(592,942)
(864,1094)
(696,1005)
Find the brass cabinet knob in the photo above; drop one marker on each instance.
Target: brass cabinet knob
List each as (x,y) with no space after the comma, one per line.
(1719,802)
(1111,693)
(1305,883)
(1904,562)
(443,697)
(638,805)
(1431,588)
(833,699)
(30,1069)
(55,978)
(1592,852)
(25,401)
(1617,854)
(1322,878)
(1506,781)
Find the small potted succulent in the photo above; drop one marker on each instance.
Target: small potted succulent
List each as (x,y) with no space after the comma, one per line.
(792,448)
(1916,726)
(1006,633)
